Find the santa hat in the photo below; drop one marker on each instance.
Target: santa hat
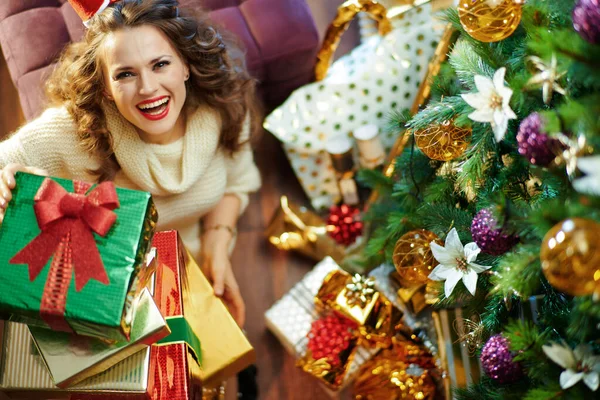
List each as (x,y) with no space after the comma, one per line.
(86,9)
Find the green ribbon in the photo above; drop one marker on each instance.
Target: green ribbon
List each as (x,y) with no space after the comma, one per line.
(182,332)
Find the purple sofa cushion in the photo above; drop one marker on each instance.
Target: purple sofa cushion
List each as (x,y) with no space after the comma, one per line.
(279,37)
(233,20)
(45,32)
(14,7)
(213,4)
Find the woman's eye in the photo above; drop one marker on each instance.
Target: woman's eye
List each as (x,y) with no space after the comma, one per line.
(161,64)
(124,74)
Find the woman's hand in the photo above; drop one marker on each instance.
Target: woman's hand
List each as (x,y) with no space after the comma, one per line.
(217,268)
(7,183)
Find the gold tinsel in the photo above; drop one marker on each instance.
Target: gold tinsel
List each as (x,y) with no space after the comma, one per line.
(388,377)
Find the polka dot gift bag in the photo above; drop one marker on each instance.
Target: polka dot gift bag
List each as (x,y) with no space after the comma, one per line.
(363,87)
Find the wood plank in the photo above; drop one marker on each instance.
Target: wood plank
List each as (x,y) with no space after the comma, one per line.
(264,273)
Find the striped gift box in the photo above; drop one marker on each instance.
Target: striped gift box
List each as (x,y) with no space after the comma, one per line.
(24,374)
(290,318)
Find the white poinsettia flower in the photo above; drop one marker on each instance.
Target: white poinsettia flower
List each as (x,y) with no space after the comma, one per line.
(590,183)
(456,263)
(578,364)
(491,102)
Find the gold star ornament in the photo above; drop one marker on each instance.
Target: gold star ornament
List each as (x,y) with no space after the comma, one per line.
(574,148)
(547,77)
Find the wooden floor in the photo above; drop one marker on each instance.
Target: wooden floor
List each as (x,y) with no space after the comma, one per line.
(263,272)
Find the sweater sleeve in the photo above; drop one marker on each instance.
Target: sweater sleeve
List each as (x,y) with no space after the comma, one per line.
(243,176)
(41,142)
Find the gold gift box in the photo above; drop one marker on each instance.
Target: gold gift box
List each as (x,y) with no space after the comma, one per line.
(225,349)
(377,318)
(376,321)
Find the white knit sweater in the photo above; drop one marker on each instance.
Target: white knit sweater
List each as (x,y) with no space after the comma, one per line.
(187,178)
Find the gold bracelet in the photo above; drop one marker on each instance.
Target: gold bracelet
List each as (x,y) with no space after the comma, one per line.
(228,228)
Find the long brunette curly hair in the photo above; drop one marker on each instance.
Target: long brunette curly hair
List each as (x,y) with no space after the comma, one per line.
(217,77)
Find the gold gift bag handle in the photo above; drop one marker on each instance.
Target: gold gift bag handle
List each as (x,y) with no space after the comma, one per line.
(345,14)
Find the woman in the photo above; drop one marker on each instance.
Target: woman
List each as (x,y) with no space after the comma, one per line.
(152,100)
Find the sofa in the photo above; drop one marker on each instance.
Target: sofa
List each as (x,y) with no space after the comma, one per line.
(279,36)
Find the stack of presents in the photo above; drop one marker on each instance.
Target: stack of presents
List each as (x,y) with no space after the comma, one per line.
(97,305)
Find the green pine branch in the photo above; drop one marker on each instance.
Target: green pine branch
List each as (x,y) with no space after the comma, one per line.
(584,320)
(519,272)
(467,63)
(438,112)
(526,200)
(545,393)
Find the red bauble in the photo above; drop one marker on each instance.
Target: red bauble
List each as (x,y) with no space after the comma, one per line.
(344,225)
(329,336)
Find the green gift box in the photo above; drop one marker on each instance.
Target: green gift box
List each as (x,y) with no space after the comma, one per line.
(72,255)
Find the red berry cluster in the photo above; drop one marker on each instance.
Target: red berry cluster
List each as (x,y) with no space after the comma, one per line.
(344,224)
(329,336)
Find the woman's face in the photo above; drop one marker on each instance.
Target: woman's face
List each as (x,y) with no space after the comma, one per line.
(146,77)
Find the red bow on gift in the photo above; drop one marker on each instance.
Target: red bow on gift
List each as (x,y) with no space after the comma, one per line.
(66,221)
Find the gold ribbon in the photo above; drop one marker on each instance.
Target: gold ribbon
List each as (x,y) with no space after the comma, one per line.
(297,228)
(345,14)
(404,371)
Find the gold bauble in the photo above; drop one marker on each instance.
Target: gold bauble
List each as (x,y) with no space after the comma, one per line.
(570,256)
(443,142)
(490,20)
(413,258)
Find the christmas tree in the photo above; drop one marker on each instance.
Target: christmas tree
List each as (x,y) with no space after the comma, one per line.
(499,184)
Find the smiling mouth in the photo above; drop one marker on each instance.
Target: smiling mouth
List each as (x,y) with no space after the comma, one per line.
(156,107)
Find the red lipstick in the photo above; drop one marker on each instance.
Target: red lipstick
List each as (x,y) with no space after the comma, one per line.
(155,117)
